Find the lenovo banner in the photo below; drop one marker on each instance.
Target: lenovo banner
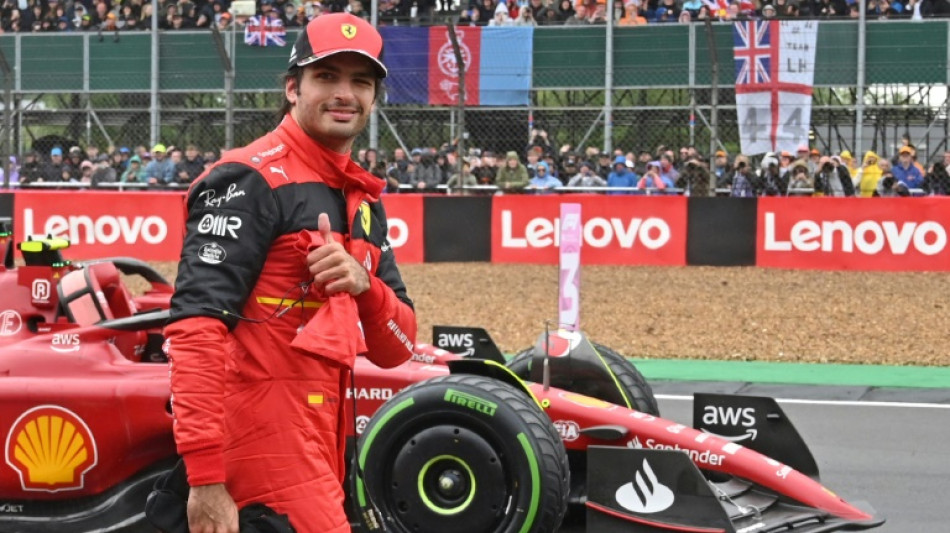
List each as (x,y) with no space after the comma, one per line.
(853,233)
(144,225)
(406,236)
(616,230)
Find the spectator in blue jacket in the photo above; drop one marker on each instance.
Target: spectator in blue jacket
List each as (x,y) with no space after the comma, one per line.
(622,176)
(161,170)
(906,171)
(543,181)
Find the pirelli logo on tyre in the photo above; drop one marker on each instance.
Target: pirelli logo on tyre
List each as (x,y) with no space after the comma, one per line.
(471,402)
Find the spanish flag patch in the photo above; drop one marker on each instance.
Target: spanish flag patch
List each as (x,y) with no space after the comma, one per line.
(315,398)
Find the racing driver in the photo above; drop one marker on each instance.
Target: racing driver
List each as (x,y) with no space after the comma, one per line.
(285,275)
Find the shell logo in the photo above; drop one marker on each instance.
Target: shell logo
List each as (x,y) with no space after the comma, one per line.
(586,401)
(51,449)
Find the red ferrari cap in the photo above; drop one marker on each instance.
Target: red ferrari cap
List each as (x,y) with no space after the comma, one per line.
(335,33)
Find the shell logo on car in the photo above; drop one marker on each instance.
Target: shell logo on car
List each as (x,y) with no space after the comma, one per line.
(586,401)
(51,449)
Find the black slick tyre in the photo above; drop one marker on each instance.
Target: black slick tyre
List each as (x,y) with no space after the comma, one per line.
(465,454)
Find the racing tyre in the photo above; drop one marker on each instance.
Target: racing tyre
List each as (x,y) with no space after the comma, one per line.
(634,385)
(465,454)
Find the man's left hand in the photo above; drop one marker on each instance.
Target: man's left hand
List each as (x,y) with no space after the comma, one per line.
(333,268)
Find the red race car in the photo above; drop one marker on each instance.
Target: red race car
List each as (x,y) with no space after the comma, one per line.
(462,442)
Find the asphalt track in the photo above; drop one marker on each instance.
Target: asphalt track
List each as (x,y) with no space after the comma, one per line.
(879,434)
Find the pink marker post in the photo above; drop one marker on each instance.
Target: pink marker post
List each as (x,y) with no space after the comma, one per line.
(569,282)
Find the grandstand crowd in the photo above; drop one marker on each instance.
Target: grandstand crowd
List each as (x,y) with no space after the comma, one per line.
(536,168)
(136,15)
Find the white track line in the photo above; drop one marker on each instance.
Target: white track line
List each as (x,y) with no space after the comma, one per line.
(853,403)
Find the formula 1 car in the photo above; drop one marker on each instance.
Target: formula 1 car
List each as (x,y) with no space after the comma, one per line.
(448,441)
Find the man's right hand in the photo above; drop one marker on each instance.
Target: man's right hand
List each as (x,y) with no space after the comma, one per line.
(212,510)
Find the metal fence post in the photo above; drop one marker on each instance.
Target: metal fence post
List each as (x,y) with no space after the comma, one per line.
(859,103)
(374,114)
(227,62)
(692,84)
(460,65)
(609,81)
(155,121)
(713,99)
(8,108)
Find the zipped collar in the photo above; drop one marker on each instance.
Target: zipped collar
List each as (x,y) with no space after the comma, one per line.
(335,169)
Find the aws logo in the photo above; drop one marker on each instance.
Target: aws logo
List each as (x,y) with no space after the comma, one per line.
(51,449)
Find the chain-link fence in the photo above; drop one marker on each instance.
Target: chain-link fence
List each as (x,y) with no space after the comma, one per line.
(80,89)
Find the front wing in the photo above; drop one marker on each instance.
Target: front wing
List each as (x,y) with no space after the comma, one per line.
(634,490)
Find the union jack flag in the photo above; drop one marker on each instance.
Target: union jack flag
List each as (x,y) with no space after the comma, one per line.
(753,53)
(775,67)
(267,32)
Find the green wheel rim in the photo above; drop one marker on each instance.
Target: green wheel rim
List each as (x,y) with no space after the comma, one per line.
(432,505)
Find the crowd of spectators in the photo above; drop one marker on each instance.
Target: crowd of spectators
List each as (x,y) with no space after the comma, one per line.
(637,12)
(536,168)
(159,167)
(136,15)
(540,168)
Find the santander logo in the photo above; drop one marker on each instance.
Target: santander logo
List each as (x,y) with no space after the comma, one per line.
(647,496)
(869,237)
(651,232)
(105,229)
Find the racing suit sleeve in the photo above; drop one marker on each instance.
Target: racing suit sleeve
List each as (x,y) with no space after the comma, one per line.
(230,225)
(387,314)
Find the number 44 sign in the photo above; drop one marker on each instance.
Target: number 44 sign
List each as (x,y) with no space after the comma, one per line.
(791,119)
(775,68)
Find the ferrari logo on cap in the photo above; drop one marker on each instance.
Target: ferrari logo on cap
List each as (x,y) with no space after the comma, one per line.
(348,30)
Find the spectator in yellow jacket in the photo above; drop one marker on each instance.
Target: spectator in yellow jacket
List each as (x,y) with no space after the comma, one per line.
(868,176)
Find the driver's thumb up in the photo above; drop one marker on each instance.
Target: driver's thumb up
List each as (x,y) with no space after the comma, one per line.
(323,225)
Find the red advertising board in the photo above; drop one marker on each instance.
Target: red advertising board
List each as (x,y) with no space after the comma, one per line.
(853,233)
(144,225)
(617,230)
(404,214)
(149,225)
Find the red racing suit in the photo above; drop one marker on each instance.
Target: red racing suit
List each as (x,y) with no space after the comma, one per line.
(251,410)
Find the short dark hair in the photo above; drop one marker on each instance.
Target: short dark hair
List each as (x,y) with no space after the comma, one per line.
(296,73)
(293,73)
